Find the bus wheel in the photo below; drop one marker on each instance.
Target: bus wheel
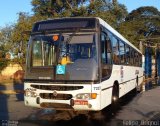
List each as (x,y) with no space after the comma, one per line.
(115,98)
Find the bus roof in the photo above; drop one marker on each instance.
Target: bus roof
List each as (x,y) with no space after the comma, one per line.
(64,23)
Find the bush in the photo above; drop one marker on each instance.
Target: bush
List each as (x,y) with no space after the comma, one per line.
(3,63)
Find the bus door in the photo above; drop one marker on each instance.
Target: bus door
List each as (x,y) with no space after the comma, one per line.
(106,56)
(106,69)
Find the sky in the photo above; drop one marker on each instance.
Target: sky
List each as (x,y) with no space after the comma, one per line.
(9,9)
(134,4)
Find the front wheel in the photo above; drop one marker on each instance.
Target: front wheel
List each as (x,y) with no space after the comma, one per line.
(115,99)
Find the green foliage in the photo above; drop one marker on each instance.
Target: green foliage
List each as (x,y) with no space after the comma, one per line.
(143,12)
(83,8)
(3,63)
(2,51)
(5,41)
(140,24)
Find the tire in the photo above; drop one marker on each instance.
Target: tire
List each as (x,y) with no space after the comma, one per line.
(115,99)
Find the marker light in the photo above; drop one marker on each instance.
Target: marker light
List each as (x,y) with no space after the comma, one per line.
(93,95)
(55,37)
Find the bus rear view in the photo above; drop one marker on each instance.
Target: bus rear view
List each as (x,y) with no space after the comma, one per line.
(62,65)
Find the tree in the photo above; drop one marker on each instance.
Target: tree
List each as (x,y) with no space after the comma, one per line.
(84,8)
(44,9)
(5,34)
(143,12)
(55,8)
(141,23)
(3,50)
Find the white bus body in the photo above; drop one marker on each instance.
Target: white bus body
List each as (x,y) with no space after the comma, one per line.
(81,95)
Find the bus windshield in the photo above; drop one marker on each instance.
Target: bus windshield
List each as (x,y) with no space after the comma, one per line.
(71,56)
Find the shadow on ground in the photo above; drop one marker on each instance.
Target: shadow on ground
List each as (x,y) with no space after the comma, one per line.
(3,104)
(19,86)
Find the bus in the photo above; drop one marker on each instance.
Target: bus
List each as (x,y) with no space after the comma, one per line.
(79,64)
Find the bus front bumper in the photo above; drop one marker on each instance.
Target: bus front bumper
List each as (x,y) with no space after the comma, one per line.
(75,104)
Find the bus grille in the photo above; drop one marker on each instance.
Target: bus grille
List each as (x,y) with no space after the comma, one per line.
(57,106)
(57,88)
(57,97)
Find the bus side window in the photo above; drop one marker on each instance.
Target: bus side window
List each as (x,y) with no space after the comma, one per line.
(137,59)
(131,57)
(140,59)
(115,46)
(127,54)
(134,58)
(122,52)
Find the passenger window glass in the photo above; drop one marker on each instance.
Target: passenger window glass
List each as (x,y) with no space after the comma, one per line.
(136,59)
(48,54)
(140,59)
(104,49)
(115,46)
(122,52)
(43,51)
(132,57)
(127,54)
(37,53)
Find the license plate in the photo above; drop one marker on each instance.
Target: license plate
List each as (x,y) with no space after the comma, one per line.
(80,102)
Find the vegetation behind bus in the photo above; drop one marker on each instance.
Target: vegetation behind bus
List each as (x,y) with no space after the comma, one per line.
(133,26)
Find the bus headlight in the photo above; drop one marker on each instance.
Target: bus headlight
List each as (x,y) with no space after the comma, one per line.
(27,93)
(30,94)
(86,96)
(33,94)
